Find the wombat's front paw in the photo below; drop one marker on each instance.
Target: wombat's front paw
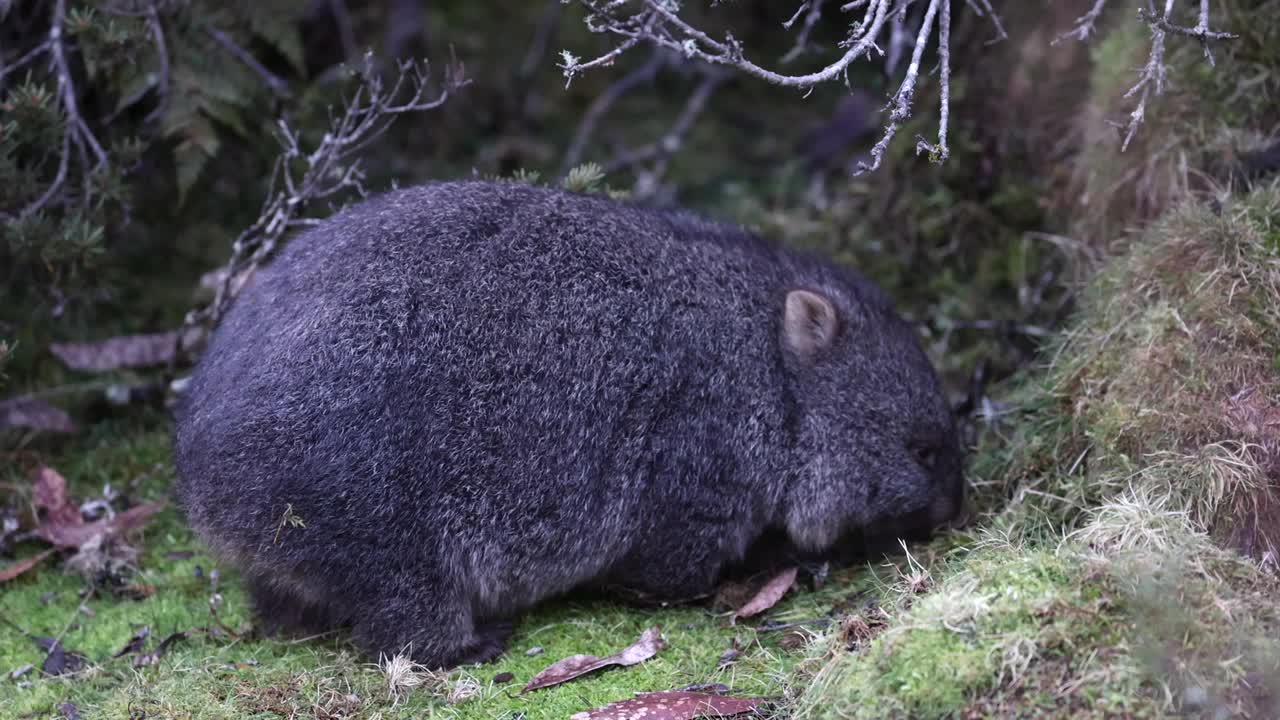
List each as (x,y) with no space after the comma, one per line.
(490,642)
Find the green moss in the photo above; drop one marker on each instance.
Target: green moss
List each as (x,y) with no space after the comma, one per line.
(1003,629)
(219,676)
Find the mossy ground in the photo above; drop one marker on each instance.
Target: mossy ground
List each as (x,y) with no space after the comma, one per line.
(220,676)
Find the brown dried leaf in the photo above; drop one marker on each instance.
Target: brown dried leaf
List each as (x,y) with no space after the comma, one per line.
(672,705)
(12,571)
(51,496)
(34,413)
(575,666)
(118,352)
(136,643)
(60,660)
(768,596)
(81,533)
(154,656)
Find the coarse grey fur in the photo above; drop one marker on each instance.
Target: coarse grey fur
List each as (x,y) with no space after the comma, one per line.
(450,402)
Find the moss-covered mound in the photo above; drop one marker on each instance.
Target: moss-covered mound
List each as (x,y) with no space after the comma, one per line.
(1127,562)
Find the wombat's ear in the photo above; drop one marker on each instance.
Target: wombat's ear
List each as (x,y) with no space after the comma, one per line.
(809,322)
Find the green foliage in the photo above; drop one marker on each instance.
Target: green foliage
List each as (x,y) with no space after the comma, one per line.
(68,217)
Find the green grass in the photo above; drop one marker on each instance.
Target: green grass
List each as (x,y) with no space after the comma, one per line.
(218,677)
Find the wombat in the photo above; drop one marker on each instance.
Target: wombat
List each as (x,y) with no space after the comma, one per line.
(449,402)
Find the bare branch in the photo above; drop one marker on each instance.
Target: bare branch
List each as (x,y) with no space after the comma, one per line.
(661,152)
(940,152)
(901,102)
(78,130)
(811,18)
(277,84)
(1085,24)
(301,178)
(23,61)
(77,136)
(658,23)
(1152,76)
(604,101)
(162,52)
(983,9)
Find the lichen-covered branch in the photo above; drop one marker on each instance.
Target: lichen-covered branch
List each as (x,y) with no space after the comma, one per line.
(658,23)
(1153,75)
(871,26)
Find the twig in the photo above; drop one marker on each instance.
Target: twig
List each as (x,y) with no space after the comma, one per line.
(604,102)
(277,84)
(658,23)
(940,152)
(66,88)
(162,52)
(661,151)
(1151,78)
(983,9)
(811,18)
(1085,24)
(901,103)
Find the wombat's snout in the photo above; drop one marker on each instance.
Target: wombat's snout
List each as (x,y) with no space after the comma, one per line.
(948,509)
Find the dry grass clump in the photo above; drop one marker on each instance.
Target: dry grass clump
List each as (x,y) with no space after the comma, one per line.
(1168,384)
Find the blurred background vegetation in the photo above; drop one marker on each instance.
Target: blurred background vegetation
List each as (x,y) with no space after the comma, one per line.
(183,99)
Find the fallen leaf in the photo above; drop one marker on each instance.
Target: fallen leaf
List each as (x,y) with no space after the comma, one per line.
(81,533)
(34,413)
(575,666)
(768,596)
(503,678)
(12,571)
(728,657)
(154,656)
(672,705)
(51,496)
(20,671)
(69,711)
(60,661)
(127,351)
(136,643)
